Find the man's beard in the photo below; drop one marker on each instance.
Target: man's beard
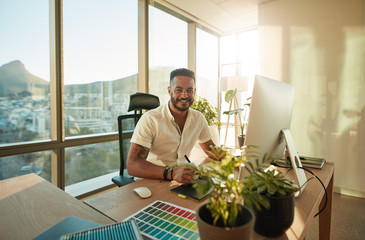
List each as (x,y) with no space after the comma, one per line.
(182,109)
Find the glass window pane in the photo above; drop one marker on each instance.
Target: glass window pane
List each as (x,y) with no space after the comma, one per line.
(239,56)
(24,71)
(91,161)
(37,162)
(207,66)
(168,50)
(100,63)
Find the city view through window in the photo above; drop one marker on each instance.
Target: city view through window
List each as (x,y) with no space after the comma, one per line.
(99,70)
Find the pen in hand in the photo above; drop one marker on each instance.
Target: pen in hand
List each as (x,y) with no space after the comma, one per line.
(187,159)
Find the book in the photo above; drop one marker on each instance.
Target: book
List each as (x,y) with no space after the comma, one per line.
(126,230)
(67,225)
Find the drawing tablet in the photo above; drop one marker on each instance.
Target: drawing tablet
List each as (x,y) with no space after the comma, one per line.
(189,191)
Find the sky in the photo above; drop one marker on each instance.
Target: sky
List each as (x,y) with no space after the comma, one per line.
(100,38)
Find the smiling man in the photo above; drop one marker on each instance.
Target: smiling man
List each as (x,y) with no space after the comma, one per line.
(166,134)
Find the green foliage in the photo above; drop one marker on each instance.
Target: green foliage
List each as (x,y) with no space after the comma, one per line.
(230,94)
(266,182)
(271,183)
(228,192)
(209,112)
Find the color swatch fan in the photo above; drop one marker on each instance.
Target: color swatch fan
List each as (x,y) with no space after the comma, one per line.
(162,220)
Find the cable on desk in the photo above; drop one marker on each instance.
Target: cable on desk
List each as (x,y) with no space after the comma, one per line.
(324,187)
(314,176)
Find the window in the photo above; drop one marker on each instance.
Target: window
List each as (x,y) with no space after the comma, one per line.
(207,66)
(24,71)
(239,56)
(37,162)
(100,63)
(90,161)
(168,44)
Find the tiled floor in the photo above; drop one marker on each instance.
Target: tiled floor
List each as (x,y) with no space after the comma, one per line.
(348,219)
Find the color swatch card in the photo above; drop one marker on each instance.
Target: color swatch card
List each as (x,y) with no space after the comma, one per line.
(163,220)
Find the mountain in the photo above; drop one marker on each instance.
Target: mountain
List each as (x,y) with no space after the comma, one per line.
(118,86)
(15,79)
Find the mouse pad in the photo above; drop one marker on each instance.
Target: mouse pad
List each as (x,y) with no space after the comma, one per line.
(189,191)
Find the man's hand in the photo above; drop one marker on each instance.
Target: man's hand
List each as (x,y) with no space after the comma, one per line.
(183,174)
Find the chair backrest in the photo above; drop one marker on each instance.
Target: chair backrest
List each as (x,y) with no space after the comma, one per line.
(140,101)
(127,122)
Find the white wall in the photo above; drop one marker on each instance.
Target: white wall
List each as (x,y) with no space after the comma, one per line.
(318,46)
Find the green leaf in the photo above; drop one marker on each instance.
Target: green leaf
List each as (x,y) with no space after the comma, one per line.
(229,95)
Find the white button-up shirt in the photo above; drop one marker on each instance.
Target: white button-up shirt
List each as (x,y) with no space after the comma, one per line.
(158,131)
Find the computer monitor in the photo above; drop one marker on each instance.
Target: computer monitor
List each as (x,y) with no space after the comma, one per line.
(270,113)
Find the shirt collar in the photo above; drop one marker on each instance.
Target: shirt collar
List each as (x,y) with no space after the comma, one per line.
(171,117)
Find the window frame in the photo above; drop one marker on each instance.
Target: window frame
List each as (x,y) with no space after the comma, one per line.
(58,142)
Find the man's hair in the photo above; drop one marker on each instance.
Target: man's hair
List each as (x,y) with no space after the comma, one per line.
(182,72)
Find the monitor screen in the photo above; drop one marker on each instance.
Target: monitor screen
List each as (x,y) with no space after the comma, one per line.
(269,123)
(270,112)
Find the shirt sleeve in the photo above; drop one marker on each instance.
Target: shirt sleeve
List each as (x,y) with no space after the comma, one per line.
(144,132)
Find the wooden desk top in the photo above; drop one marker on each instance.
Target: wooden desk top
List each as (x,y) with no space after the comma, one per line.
(29,205)
(123,202)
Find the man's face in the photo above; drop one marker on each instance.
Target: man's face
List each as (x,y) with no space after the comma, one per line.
(182,92)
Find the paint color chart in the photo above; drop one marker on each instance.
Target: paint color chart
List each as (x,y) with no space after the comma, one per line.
(162,220)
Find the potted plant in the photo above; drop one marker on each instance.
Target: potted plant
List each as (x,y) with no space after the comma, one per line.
(209,112)
(279,191)
(240,112)
(225,216)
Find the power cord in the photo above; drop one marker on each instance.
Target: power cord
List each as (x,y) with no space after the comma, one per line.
(314,176)
(325,190)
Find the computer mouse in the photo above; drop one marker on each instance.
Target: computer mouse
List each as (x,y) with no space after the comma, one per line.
(143,192)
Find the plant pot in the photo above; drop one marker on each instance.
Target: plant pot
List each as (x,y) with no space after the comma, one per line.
(241,140)
(273,222)
(208,231)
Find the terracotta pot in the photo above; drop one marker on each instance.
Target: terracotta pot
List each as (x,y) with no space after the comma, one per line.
(208,231)
(275,221)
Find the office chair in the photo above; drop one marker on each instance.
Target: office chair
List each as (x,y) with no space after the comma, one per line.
(126,124)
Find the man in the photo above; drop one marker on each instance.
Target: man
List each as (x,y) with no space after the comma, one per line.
(166,134)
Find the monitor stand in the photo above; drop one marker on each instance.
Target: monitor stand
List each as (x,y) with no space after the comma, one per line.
(301,179)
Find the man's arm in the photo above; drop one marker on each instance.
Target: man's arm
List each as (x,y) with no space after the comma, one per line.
(207,148)
(138,166)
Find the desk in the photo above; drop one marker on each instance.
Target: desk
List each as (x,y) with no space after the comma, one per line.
(120,203)
(29,205)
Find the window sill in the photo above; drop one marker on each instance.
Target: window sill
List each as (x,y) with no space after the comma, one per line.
(91,186)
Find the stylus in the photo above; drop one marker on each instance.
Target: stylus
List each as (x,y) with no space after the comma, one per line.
(187,159)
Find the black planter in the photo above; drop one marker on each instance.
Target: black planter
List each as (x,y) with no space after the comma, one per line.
(275,221)
(241,140)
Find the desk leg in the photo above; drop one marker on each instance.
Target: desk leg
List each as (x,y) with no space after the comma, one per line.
(326,215)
